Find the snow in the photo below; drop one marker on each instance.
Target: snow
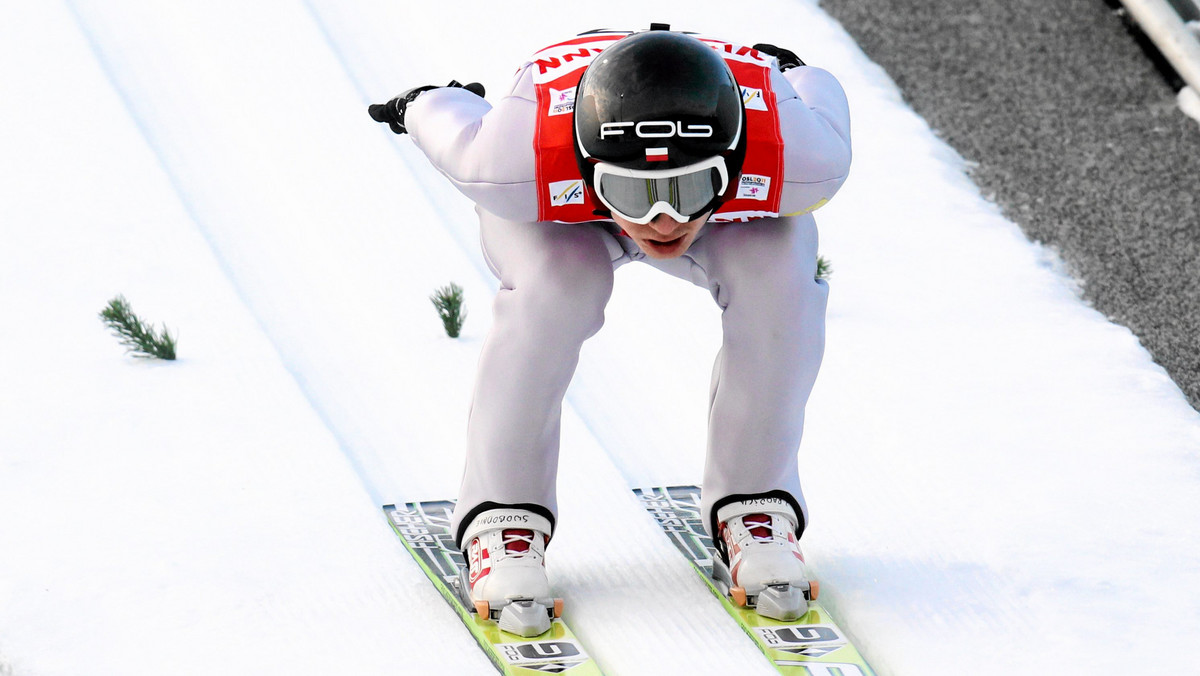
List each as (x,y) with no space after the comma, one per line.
(1189,102)
(999,478)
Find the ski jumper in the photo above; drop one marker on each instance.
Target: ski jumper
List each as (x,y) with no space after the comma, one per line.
(555,259)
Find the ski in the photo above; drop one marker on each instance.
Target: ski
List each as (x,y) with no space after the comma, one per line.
(812,645)
(424,528)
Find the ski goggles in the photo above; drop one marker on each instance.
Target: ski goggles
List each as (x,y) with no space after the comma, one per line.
(639,195)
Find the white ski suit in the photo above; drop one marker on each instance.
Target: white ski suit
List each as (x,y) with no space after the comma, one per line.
(556,278)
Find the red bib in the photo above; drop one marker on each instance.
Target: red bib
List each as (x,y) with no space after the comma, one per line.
(562,195)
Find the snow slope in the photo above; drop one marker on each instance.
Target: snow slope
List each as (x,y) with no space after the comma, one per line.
(999,478)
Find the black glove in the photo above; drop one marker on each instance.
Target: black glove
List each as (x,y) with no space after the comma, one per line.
(393,111)
(787,58)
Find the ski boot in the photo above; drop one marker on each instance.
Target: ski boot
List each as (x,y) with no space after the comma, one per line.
(760,564)
(505,578)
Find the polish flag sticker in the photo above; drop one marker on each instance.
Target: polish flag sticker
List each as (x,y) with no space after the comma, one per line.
(656,154)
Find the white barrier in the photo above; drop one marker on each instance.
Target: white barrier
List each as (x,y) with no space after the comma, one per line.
(1170,35)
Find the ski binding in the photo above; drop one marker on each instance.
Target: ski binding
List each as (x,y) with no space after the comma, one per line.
(785,621)
(522,637)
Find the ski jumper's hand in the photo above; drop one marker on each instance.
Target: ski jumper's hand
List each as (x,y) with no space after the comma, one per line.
(393,111)
(787,58)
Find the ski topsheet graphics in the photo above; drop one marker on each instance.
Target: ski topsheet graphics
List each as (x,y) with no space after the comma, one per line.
(809,646)
(424,528)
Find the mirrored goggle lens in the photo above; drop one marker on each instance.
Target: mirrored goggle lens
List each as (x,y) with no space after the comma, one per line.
(687,194)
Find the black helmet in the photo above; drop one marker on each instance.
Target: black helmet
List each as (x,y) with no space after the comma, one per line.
(659,100)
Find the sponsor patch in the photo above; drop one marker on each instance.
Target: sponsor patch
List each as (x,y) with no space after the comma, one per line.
(562,653)
(812,641)
(566,192)
(753,98)
(754,187)
(562,102)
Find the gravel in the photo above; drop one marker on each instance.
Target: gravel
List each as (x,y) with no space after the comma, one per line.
(1078,137)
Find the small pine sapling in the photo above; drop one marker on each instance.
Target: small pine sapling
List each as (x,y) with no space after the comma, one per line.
(448,301)
(138,337)
(824,269)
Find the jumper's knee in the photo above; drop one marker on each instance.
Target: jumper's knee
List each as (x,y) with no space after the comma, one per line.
(771,261)
(569,301)
(566,286)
